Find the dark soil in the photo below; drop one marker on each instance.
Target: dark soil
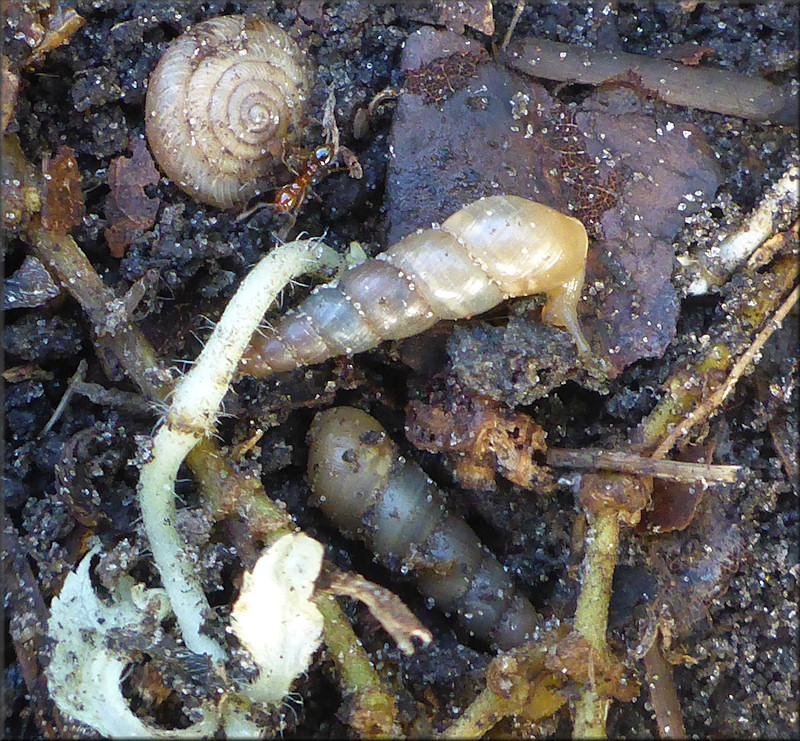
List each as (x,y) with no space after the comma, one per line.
(73,483)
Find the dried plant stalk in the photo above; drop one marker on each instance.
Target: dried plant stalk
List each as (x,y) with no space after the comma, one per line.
(709,89)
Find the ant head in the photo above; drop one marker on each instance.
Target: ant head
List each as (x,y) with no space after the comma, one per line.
(323,155)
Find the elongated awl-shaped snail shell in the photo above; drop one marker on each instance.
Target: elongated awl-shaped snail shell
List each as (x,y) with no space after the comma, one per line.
(362,484)
(490,250)
(220,104)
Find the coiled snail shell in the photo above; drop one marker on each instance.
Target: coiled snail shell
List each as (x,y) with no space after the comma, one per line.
(221,104)
(490,250)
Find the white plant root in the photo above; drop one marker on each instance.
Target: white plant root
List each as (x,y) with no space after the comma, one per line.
(759,226)
(192,415)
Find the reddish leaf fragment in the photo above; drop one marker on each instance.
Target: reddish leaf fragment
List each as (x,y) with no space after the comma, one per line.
(690,53)
(63,205)
(675,503)
(130,211)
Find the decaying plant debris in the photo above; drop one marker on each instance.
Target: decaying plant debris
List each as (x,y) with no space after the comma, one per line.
(664,565)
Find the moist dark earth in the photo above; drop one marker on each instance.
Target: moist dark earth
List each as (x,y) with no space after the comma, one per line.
(73,482)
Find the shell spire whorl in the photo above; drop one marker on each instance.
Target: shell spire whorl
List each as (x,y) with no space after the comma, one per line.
(492,249)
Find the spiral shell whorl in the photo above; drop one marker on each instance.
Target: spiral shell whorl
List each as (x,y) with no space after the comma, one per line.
(220,105)
(490,250)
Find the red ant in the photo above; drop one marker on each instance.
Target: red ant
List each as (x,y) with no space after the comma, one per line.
(290,196)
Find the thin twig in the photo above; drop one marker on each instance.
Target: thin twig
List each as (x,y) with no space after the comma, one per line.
(70,266)
(356,673)
(518,8)
(663,695)
(130,401)
(782,197)
(710,405)
(610,460)
(62,404)
(484,712)
(685,385)
(591,614)
(780,202)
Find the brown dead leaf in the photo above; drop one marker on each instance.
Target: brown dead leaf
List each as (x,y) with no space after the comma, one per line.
(629,175)
(62,206)
(129,210)
(481,437)
(675,503)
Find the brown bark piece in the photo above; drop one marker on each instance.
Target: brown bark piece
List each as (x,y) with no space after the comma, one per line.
(631,176)
(130,211)
(62,206)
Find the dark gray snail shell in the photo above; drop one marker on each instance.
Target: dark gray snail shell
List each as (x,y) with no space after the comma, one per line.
(490,250)
(361,482)
(221,104)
